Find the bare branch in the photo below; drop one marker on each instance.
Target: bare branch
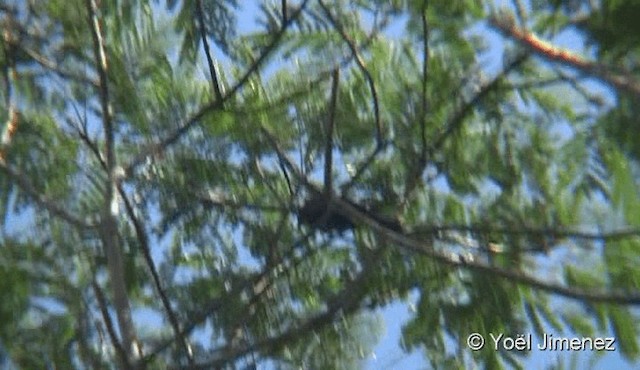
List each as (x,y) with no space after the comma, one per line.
(554,233)
(104,311)
(109,229)
(141,235)
(374,97)
(590,295)
(328,150)
(624,82)
(207,50)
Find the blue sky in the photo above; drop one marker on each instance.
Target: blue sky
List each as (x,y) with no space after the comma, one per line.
(388,354)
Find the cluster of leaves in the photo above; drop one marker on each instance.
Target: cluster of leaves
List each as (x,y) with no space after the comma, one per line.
(499,176)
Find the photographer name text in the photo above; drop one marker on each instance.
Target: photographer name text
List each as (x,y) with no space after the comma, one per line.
(525,342)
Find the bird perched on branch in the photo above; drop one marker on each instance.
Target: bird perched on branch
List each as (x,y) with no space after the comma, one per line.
(316,213)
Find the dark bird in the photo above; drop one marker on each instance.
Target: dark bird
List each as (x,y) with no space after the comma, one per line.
(315,213)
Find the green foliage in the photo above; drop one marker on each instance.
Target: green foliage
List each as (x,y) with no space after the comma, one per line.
(614,28)
(505,174)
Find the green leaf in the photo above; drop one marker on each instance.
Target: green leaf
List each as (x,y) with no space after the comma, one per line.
(626,333)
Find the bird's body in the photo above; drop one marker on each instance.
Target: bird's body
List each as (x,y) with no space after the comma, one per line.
(315,213)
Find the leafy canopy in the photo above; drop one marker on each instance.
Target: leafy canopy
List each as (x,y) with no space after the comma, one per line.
(159,159)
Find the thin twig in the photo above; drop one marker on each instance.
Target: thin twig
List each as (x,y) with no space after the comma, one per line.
(215,83)
(374,97)
(456,121)
(218,303)
(532,231)
(141,235)
(328,150)
(416,246)
(50,205)
(106,316)
(344,303)
(189,123)
(54,67)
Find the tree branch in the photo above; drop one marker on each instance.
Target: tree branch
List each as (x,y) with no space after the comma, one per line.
(374,97)
(342,304)
(215,83)
(189,123)
(530,231)
(328,150)
(417,246)
(456,121)
(104,311)
(109,229)
(141,235)
(25,185)
(250,286)
(622,297)
(624,82)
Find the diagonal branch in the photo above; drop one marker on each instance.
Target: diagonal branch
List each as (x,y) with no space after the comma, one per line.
(106,316)
(189,123)
(49,204)
(416,246)
(141,235)
(344,303)
(455,122)
(555,233)
(251,286)
(624,82)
